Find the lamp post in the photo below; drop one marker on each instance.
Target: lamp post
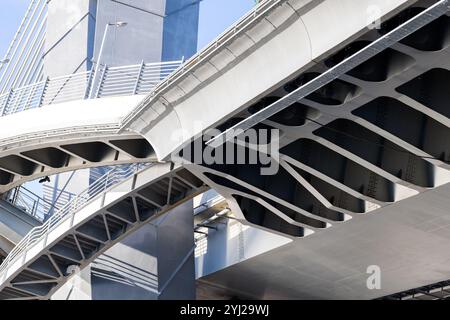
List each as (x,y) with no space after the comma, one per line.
(118,24)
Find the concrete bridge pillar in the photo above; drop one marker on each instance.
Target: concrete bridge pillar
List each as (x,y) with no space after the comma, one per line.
(154,263)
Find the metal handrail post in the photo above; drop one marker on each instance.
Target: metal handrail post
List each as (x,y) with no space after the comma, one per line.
(89,84)
(106,183)
(34,208)
(97,64)
(16,195)
(5,104)
(32,90)
(97,93)
(44,88)
(139,76)
(26,248)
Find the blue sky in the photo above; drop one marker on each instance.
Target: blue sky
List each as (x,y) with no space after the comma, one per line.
(215,17)
(10,17)
(218,15)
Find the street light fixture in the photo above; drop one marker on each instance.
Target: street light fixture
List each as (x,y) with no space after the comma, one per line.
(4,61)
(117,24)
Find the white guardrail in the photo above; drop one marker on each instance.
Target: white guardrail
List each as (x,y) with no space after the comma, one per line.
(109,81)
(101,185)
(30,203)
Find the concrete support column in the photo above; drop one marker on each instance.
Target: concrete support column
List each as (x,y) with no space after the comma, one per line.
(69,37)
(155,262)
(77,288)
(14,225)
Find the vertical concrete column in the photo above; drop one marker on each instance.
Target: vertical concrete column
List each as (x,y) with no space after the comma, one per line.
(69,37)
(155,262)
(180,29)
(141,39)
(14,225)
(176,265)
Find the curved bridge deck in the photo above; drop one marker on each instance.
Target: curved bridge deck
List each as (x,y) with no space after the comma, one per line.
(66,137)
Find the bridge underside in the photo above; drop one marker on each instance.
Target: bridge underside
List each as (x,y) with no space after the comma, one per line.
(363,176)
(67,136)
(408,240)
(369,139)
(26,164)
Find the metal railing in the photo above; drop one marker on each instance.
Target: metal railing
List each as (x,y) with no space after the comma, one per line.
(105,182)
(135,79)
(30,203)
(110,81)
(58,197)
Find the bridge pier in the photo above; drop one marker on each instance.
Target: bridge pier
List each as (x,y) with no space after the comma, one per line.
(154,263)
(14,225)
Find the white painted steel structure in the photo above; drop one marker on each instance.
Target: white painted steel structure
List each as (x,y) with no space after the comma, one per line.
(99,186)
(67,136)
(368,163)
(43,256)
